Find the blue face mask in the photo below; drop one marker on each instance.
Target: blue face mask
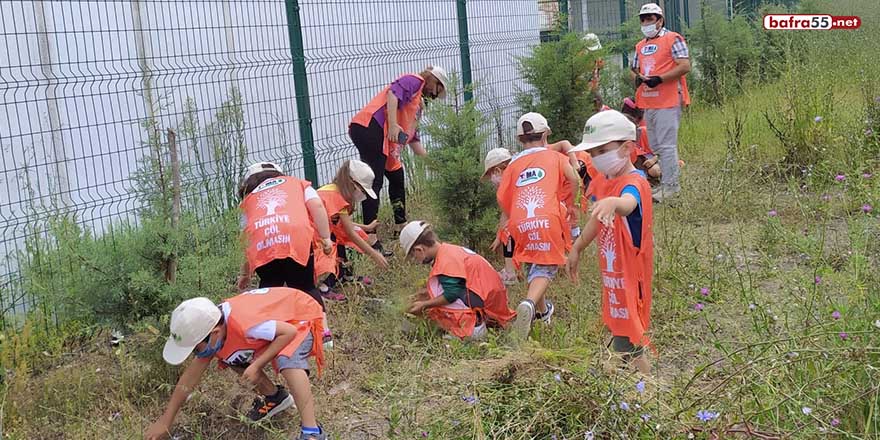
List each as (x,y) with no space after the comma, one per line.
(210,351)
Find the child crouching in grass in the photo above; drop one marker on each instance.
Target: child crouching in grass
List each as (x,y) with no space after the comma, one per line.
(246,332)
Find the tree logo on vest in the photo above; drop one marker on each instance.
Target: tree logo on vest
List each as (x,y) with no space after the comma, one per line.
(530,199)
(649,49)
(530,176)
(239,358)
(272,200)
(607,246)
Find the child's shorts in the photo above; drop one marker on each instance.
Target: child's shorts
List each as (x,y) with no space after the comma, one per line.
(622,344)
(300,358)
(542,271)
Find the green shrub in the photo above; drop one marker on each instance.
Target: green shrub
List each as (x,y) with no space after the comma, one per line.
(465,206)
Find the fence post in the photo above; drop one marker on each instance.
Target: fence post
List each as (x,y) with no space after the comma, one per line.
(301,88)
(464,46)
(622,6)
(687,12)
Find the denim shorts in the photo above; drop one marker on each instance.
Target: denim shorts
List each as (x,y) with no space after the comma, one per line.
(300,358)
(542,271)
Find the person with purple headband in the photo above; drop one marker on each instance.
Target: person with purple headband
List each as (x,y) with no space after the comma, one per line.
(384,127)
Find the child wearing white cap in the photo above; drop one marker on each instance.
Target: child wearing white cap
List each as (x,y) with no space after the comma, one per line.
(464,294)
(281,326)
(622,222)
(536,196)
(494,166)
(352,185)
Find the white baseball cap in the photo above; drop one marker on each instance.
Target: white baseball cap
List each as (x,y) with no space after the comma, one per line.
(440,74)
(363,175)
(539,123)
(592,41)
(495,157)
(605,127)
(651,8)
(259,167)
(410,233)
(191,322)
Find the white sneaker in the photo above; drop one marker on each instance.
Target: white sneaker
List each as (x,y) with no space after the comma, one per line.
(480,333)
(664,193)
(525,314)
(545,317)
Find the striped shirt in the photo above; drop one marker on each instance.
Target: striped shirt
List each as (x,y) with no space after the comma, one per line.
(679,50)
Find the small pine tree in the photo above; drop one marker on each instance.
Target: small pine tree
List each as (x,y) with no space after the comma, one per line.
(466,206)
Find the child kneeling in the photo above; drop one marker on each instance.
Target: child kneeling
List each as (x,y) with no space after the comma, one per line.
(465,293)
(279,325)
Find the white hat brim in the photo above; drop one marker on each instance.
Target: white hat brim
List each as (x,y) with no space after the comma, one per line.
(174,353)
(584,146)
(370,193)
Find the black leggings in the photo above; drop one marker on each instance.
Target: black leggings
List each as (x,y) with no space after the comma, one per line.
(509,247)
(369,142)
(281,272)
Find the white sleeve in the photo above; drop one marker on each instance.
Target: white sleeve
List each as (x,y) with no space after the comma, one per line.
(264,331)
(310,193)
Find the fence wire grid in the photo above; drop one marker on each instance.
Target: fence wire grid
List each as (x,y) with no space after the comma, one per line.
(81,79)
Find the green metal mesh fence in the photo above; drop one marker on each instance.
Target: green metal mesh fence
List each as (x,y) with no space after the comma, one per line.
(86,83)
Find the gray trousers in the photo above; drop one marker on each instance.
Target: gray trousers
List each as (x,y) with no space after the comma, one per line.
(663,126)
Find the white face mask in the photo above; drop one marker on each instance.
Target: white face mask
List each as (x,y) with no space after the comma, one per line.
(610,163)
(496,179)
(360,197)
(650,30)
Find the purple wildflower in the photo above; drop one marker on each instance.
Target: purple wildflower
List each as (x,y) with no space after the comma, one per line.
(624,406)
(704,291)
(817,280)
(807,410)
(844,336)
(424,434)
(557,377)
(840,177)
(588,435)
(867,176)
(640,387)
(752,306)
(817,119)
(866,208)
(772,213)
(835,422)
(706,416)
(471,400)
(835,314)
(698,307)
(646,417)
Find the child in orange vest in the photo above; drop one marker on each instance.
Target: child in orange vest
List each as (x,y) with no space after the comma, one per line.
(351,186)
(494,166)
(247,332)
(464,292)
(622,220)
(536,196)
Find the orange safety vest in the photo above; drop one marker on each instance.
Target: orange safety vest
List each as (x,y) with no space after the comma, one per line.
(643,147)
(481,278)
(334,204)
(532,192)
(655,58)
(276,222)
(407,118)
(627,271)
(257,306)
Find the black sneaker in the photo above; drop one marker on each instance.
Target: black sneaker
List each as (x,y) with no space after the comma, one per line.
(385,253)
(267,407)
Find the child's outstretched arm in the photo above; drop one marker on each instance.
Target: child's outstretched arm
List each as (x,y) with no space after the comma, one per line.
(604,210)
(190,378)
(322,223)
(365,247)
(284,334)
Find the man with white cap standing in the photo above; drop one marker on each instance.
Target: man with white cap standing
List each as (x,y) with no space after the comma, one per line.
(658,69)
(385,126)
(536,194)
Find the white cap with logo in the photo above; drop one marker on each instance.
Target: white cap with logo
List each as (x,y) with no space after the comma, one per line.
(651,8)
(410,233)
(495,157)
(259,167)
(363,175)
(592,41)
(191,322)
(539,123)
(605,127)
(440,74)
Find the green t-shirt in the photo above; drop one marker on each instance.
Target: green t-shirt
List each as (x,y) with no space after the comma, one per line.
(456,288)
